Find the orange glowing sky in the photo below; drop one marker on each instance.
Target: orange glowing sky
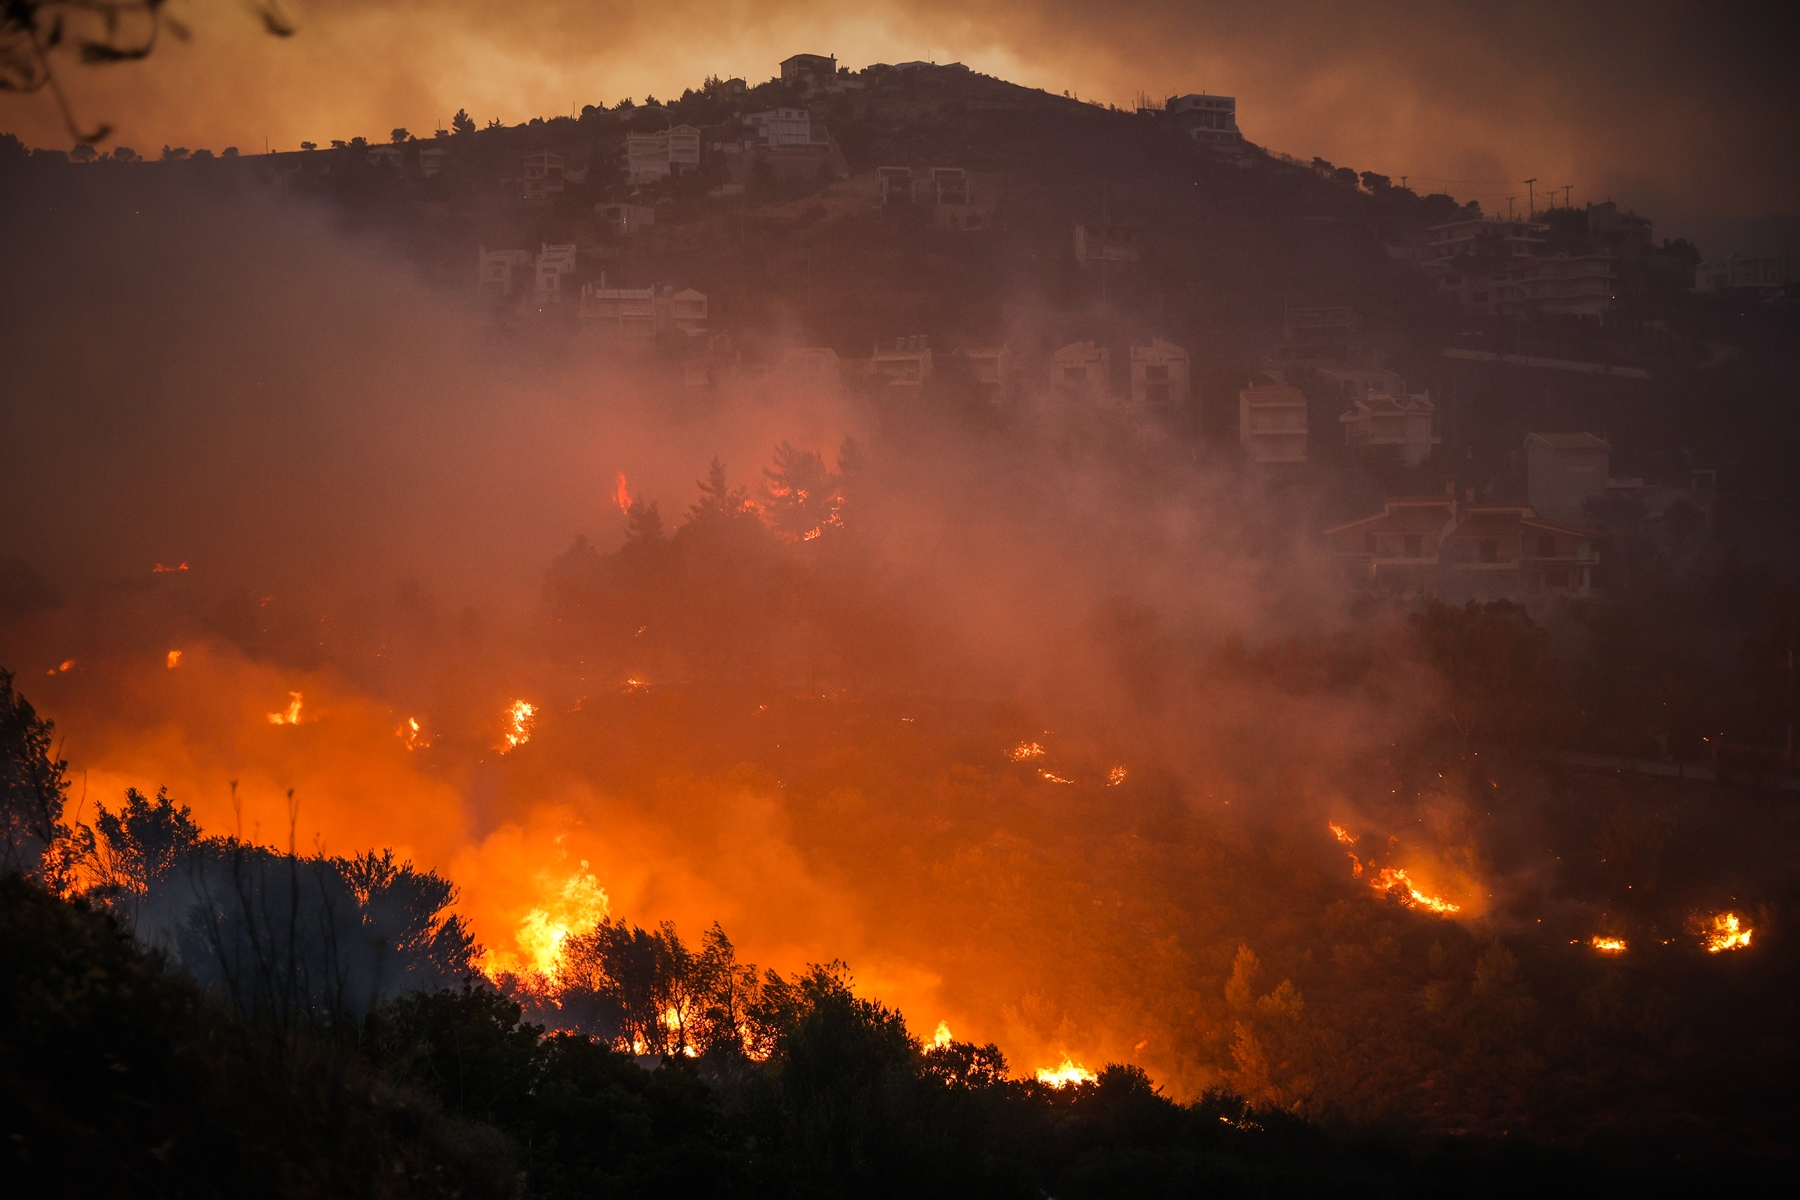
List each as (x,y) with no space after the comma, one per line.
(1690,118)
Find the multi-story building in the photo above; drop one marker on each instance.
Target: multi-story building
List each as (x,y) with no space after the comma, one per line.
(650,157)
(1382,413)
(1272,423)
(1738,273)
(1208,120)
(639,315)
(1081,372)
(782,126)
(553,265)
(809,71)
(1563,471)
(495,269)
(626,219)
(543,175)
(908,364)
(1159,377)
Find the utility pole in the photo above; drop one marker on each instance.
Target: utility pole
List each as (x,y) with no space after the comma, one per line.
(1567,187)
(1403,183)
(1509,201)
(1533,195)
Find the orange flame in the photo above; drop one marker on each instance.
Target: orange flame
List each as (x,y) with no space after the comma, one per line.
(1054,778)
(1116,776)
(291,716)
(1341,834)
(1395,881)
(67,665)
(521,717)
(159,569)
(412,734)
(174,659)
(621,494)
(942,1037)
(1608,945)
(1725,931)
(1066,1073)
(1025,750)
(578,905)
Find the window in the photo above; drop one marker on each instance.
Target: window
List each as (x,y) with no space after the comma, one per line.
(1414,546)
(1546,545)
(1490,550)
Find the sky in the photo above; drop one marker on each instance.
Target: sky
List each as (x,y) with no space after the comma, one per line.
(1684,112)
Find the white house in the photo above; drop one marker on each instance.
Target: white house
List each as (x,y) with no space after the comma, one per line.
(1272,423)
(1159,376)
(553,264)
(908,364)
(494,269)
(1082,371)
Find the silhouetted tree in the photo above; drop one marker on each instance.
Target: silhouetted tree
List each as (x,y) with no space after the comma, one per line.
(32,787)
(462,122)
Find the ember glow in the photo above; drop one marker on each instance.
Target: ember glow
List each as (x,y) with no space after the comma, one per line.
(622,494)
(1115,777)
(1394,881)
(1025,750)
(291,716)
(63,667)
(159,569)
(1608,945)
(1065,1074)
(412,735)
(521,718)
(1342,835)
(1724,931)
(1053,777)
(173,660)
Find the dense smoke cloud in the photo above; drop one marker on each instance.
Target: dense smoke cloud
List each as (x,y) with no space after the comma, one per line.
(1685,114)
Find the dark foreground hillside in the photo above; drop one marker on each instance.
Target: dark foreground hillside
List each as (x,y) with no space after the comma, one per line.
(118,1076)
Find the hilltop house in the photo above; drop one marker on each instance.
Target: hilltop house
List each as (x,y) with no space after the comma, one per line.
(1565,470)
(908,364)
(1272,423)
(1737,273)
(650,157)
(1159,376)
(1460,550)
(553,263)
(494,269)
(809,71)
(1208,120)
(543,175)
(1081,372)
(1382,412)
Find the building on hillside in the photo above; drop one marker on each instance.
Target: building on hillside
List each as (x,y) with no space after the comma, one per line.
(808,71)
(1764,276)
(1081,372)
(431,161)
(553,265)
(1107,243)
(1159,376)
(1482,238)
(908,364)
(782,126)
(813,369)
(651,157)
(1607,223)
(893,185)
(1563,471)
(626,219)
(495,269)
(989,369)
(640,315)
(1208,120)
(1272,423)
(543,175)
(1318,336)
(386,156)
(919,64)
(1459,550)
(1402,422)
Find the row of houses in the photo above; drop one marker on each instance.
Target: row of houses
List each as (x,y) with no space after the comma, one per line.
(1381,414)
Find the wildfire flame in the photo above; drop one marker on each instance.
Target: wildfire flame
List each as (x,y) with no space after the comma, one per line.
(159,569)
(633,684)
(1725,931)
(942,1037)
(412,734)
(1116,776)
(579,904)
(1341,834)
(1608,945)
(174,659)
(1066,1073)
(63,667)
(1052,777)
(1025,750)
(1395,881)
(812,533)
(291,716)
(521,717)
(622,495)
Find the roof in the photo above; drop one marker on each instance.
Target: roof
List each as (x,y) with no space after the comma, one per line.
(1585,531)
(1569,441)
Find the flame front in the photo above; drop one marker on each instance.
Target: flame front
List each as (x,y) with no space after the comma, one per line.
(521,718)
(580,903)
(1025,750)
(1395,881)
(1725,931)
(1065,1073)
(1608,945)
(942,1037)
(412,734)
(291,716)
(1341,834)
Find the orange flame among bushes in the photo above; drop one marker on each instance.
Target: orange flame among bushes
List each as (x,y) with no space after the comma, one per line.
(521,717)
(1608,945)
(291,716)
(1724,931)
(1066,1073)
